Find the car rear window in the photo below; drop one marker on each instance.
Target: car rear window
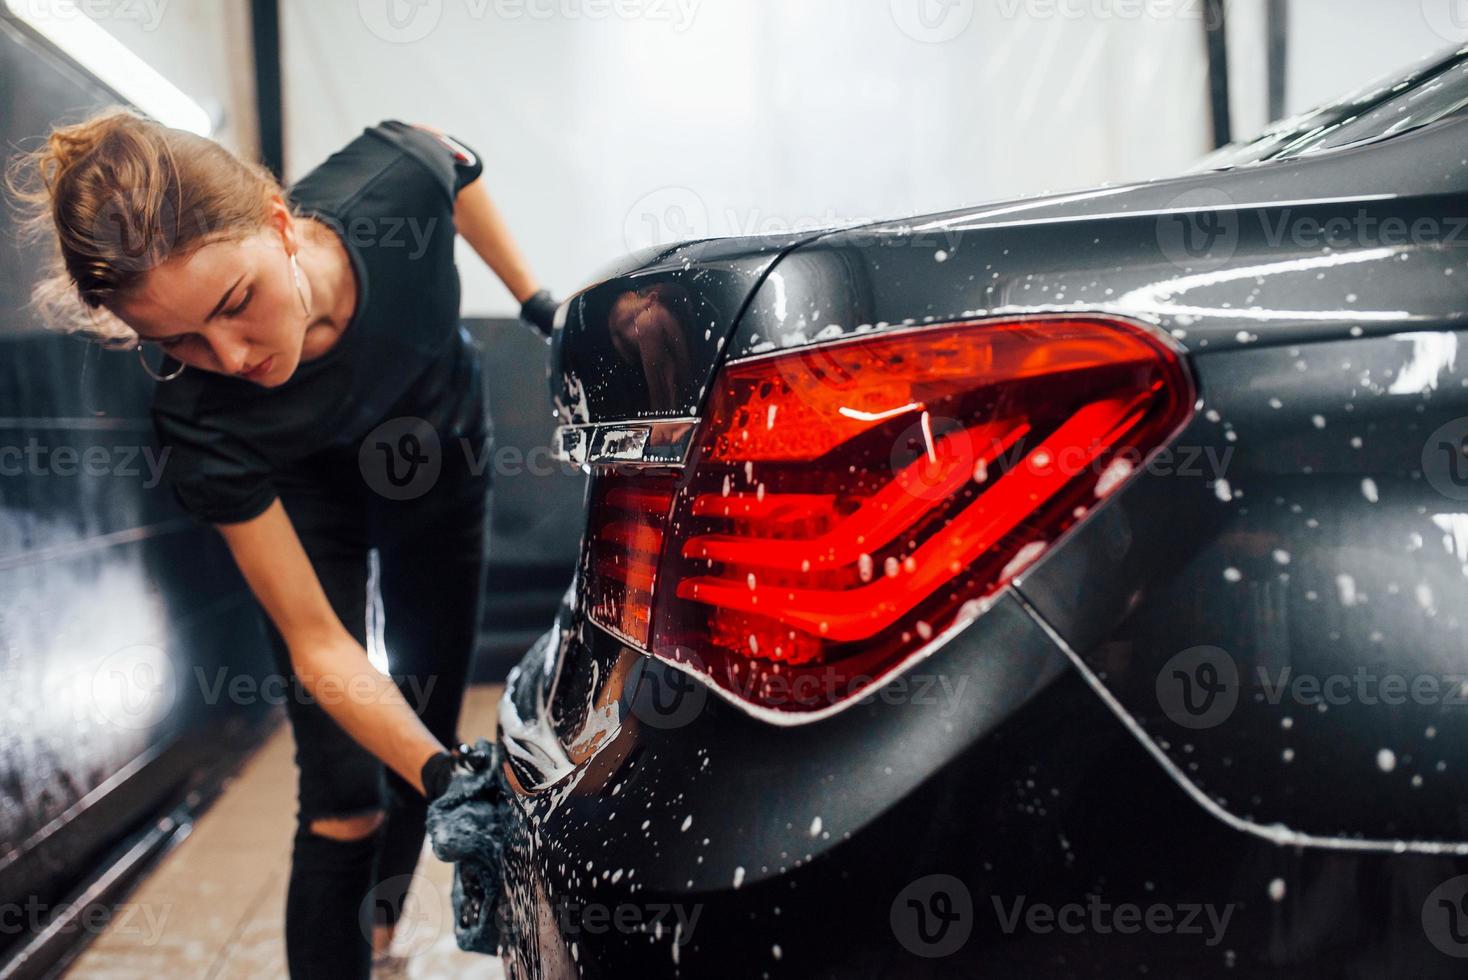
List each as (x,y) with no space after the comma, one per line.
(1432,89)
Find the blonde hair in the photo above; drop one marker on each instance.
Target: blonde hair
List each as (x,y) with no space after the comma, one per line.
(118,194)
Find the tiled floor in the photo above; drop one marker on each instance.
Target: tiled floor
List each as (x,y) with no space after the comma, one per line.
(215,906)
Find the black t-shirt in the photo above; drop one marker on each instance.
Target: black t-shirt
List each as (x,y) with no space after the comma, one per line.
(389,194)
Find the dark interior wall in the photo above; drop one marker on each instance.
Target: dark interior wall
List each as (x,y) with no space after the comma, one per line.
(118,615)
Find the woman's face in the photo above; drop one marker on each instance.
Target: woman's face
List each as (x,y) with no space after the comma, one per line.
(230,307)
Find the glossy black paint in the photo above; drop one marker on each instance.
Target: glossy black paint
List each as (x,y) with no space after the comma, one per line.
(1055,805)
(644,342)
(1310,519)
(1330,560)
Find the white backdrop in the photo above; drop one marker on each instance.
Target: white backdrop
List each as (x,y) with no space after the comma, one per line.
(609,124)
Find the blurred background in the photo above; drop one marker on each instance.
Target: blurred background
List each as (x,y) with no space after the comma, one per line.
(605,126)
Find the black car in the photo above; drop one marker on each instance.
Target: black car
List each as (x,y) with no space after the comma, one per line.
(1070,587)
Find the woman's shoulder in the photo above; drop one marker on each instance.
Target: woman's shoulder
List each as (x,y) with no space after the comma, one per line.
(390,161)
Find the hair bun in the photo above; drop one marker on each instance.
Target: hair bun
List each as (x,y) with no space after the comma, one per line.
(67,145)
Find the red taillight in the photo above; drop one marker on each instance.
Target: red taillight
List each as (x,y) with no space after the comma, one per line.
(845,504)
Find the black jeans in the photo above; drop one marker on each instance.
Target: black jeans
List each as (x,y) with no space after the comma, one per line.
(429,574)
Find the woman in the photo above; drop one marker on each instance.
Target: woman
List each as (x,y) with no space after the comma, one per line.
(323,408)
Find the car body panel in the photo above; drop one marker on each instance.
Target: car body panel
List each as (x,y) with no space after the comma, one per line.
(1056,808)
(1310,519)
(1298,349)
(1259,274)
(1324,570)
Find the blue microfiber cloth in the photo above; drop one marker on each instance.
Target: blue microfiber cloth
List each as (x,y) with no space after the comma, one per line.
(467,826)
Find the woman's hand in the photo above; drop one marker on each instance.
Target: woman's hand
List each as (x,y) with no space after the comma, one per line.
(332,666)
(540,312)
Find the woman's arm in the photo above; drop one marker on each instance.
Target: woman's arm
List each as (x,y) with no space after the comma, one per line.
(479,221)
(331,664)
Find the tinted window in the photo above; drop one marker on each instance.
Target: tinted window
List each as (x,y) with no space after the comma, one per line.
(1436,97)
(1433,88)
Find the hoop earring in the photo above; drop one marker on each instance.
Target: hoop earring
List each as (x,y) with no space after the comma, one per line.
(154,374)
(296,272)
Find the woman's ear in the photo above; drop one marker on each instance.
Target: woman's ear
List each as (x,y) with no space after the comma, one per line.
(279,219)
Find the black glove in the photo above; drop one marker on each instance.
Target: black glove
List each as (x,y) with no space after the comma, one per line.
(469,826)
(475,759)
(540,311)
(437,773)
